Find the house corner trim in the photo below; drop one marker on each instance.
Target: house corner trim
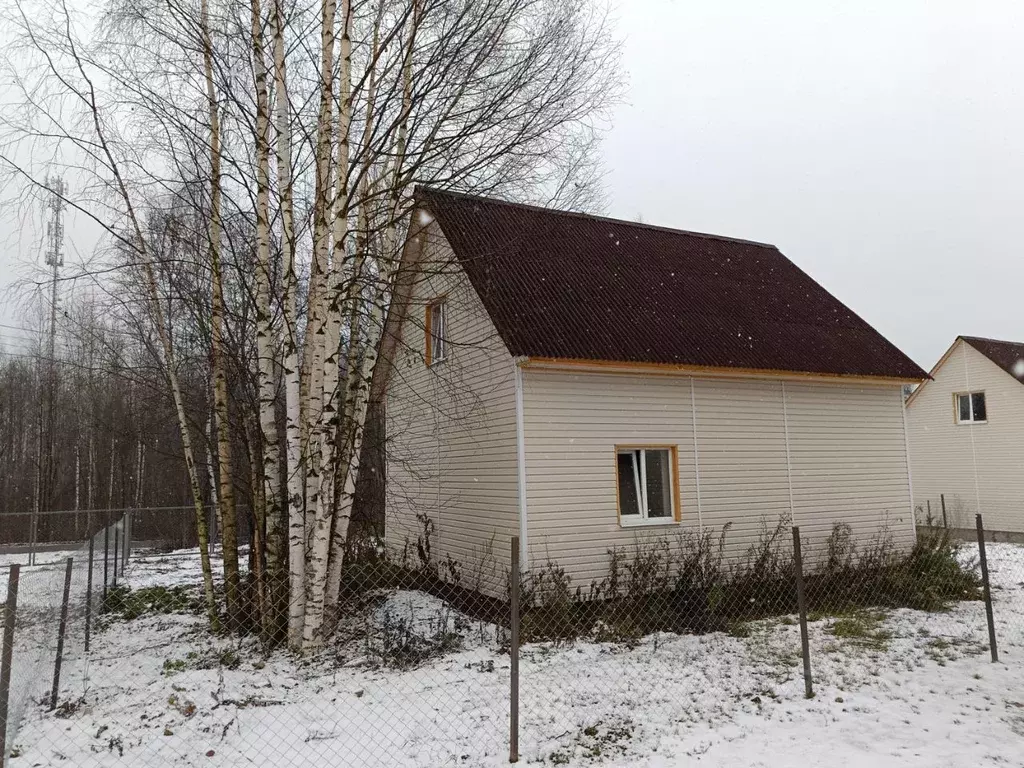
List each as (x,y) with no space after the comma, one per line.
(524,557)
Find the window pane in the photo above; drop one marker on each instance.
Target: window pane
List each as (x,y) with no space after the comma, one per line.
(629,503)
(659,483)
(965,407)
(978,401)
(437,331)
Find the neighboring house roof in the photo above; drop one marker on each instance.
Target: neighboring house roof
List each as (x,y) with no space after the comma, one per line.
(1008,355)
(573,286)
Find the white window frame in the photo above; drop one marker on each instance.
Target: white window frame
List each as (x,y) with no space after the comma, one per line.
(640,483)
(970,399)
(433,333)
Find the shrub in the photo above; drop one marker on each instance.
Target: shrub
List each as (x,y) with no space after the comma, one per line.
(685,588)
(675,585)
(927,578)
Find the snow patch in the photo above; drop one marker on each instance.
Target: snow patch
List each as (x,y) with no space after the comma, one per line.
(920,692)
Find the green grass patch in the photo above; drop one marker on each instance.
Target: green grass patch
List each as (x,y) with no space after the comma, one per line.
(594,743)
(128,604)
(862,628)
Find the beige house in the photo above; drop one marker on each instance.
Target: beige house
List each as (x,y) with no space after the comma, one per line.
(967,437)
(586,383)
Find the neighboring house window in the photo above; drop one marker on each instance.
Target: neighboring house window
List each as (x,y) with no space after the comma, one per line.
(970,408)
(646,477)
(437,328)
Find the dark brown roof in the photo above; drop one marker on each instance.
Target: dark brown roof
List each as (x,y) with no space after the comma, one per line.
(1008,355)
(573,286)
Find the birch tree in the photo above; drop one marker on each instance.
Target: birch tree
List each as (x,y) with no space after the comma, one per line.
(497,97)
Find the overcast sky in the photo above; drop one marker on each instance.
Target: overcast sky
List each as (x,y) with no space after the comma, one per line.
(880,145)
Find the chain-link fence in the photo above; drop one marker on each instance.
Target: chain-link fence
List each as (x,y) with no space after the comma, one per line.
(434,662)
(46,606)
(40,537)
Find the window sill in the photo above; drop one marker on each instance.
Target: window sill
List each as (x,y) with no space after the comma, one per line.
(970,423)
(647,523)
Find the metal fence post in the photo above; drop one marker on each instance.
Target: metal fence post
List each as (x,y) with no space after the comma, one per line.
(88,597)
(106,560)
(127,545)
(942,500)
(62,629)
(513,733)
(986,588)
(801,601)
(117,537)
(33,533)
(7,656)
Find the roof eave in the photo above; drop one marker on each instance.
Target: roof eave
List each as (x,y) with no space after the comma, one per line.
(673,369)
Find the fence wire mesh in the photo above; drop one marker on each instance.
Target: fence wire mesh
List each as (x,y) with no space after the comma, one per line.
(40,603)
(418,669)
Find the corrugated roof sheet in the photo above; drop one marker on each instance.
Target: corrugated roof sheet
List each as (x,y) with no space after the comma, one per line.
(1008,355)
(567,285)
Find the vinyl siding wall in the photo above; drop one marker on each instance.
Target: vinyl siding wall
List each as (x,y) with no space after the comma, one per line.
(451,431)
(846,444)
(944,454)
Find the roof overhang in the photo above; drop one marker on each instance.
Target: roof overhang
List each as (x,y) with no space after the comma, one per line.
(669,369)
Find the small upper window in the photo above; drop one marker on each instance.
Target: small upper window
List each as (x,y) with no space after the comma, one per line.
(646,484)
(437,329)
(970,408)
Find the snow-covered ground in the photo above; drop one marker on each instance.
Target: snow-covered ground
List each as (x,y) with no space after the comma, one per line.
(904,688)
(21,557)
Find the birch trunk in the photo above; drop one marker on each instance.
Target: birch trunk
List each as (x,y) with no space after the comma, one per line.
(90,473)
(257,541)
(293,416)
(266,346)
(211,478)
(339,535)
(78,490)
(140,466)
(229,529)
(166,346)
(324,516)
(315,343)
(391,255)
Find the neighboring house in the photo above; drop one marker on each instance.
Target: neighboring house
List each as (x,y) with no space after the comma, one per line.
(586,383)
(967,436)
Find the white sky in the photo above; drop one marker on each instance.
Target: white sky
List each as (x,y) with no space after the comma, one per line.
(878,144)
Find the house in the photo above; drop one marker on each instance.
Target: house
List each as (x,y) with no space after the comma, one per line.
(966,426)
(587,383)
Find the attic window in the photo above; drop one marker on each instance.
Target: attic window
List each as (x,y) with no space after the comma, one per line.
(436,329)
(970,408)
(646,477)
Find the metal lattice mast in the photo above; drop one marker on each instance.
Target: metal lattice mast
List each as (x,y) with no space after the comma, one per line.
(54,258)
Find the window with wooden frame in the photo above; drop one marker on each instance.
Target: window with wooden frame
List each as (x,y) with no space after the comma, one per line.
(436,325)
(647,484)
(970,408)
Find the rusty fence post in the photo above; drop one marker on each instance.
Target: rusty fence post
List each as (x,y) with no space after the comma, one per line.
(62,629)
(801,600)
(513,732)
(7,656)
(986,588)
(942,500)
